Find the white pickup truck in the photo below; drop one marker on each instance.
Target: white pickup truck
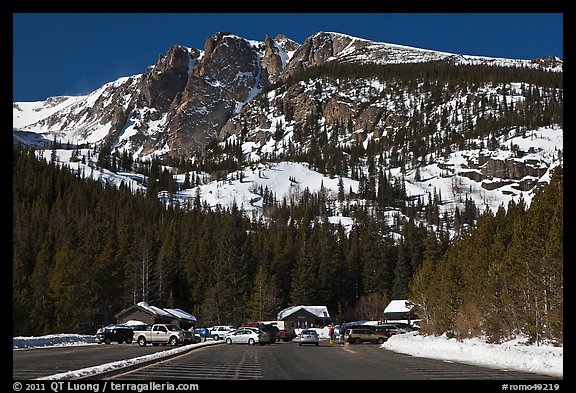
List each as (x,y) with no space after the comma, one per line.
(163,334)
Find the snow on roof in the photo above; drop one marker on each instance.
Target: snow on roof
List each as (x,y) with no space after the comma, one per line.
(398,306)
(319,311)
(181,314)
(167,312)
(155,310)
(134,322)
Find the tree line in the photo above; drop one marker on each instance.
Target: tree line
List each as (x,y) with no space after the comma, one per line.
(83,251)
(503,277)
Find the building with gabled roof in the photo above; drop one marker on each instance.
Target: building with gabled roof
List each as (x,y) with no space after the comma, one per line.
(150,315)
(305,316)
(401,310)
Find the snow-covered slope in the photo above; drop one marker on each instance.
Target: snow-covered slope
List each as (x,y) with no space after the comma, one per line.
(282,181)
(430,135)
(261,185)
(80,119)
(448,177)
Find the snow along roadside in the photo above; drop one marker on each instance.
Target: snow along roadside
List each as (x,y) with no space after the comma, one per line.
(511,355)
(125,363)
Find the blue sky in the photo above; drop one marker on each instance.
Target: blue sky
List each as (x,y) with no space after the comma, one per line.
(73,54)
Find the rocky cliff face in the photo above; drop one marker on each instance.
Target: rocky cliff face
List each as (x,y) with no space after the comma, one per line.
(167,78)
(178,104)
(272,60)
(320,48)
(228,75)
(190,96)
(276,55)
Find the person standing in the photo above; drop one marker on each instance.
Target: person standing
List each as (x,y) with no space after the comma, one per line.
(331,333)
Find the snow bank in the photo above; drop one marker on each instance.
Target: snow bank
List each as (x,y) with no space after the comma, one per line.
(52,340)
(128,362)
(512,355)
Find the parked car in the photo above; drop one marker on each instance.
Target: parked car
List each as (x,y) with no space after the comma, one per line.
(272,331)
(285,329)
(218,332)
(188,337)
(308,336)
(202,332)
(360,335)
(380,329)
(266,339)
(392,328)
(110,333)
(249,336)
(405,327)
(163,334)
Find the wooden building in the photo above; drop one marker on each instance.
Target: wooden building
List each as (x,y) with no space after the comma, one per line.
(305,316)
(150,315)
(400,311)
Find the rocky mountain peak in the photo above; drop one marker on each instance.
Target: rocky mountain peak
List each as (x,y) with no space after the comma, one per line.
(228,75)
(271,59)
(286,44)
(318,49)
(551,62)
(230,62)
(169,76)
(190,96)
(313,51)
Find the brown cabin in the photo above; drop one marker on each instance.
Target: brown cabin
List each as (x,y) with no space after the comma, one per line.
(305,316)
(150,315)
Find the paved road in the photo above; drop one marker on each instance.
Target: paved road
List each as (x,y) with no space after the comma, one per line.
(41,362)
(281,361)
(289,361)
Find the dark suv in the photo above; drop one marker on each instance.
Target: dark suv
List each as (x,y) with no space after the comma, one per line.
(111,333)
(380,329)
(272,331)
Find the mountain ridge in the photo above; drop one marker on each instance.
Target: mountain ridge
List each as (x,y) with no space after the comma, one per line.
(165,109)
(250,106)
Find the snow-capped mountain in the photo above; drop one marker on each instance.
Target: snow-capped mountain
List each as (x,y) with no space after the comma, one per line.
(184,100)
(265,122)
(176,105)
(325,47)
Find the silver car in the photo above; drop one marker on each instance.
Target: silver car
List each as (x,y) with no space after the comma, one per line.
(247,336)
(309,336)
